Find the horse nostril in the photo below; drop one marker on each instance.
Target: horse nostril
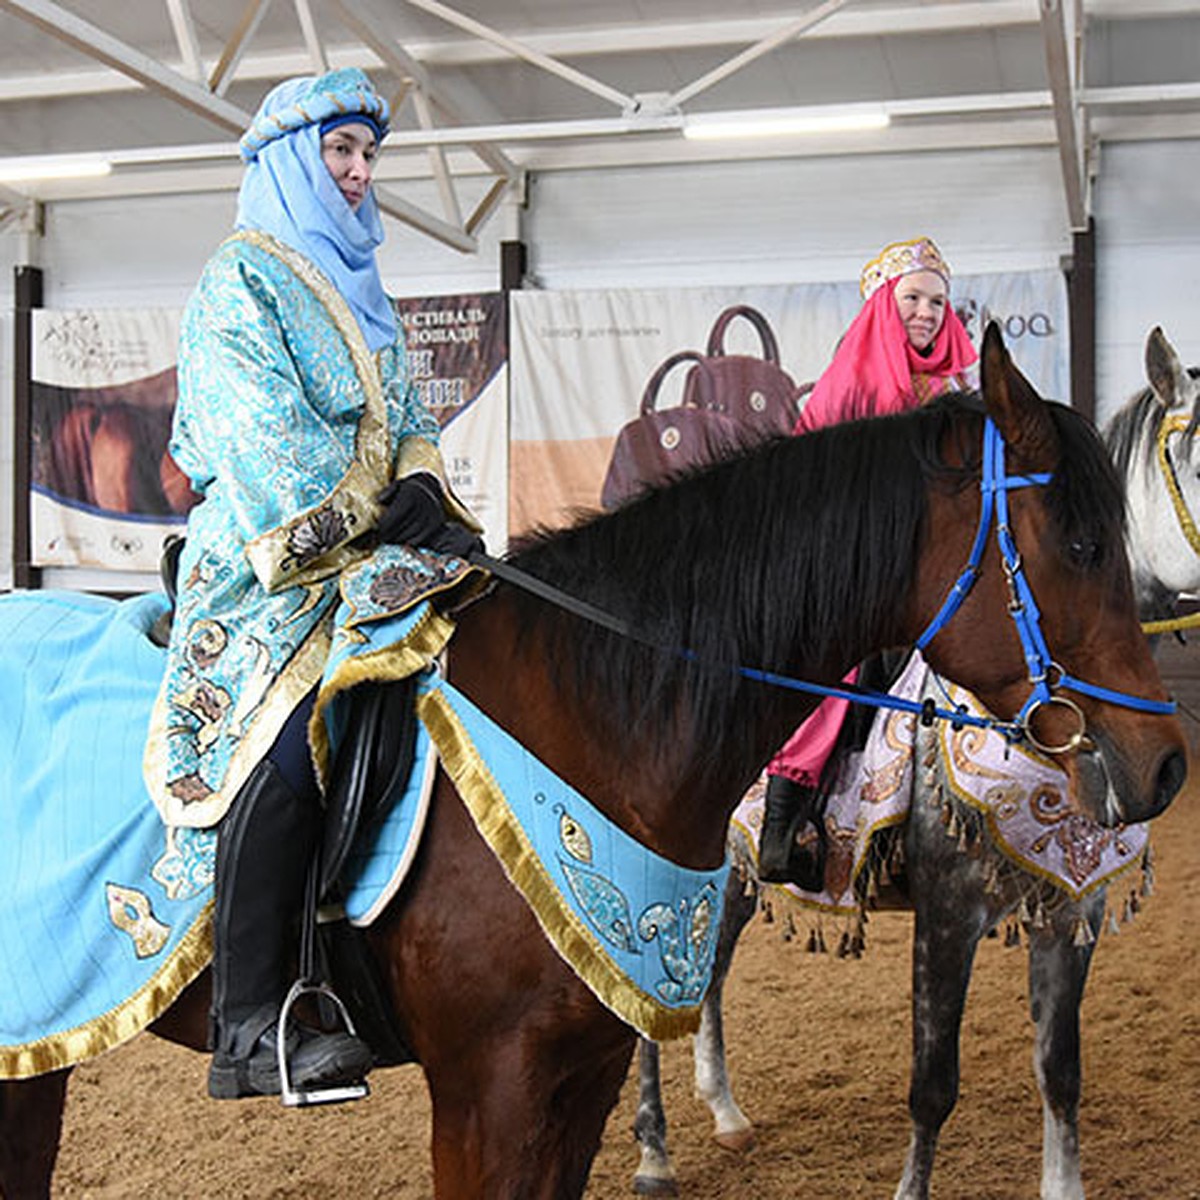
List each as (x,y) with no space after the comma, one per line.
(1171,776)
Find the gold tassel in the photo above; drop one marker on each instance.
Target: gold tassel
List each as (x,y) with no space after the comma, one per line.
(789,930)
(812,942)
(821,947)
(768,912)
(1039,916)
(1113,925)
(1023,912)
(1083,933)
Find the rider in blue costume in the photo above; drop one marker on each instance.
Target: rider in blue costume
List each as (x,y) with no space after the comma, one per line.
(299,426)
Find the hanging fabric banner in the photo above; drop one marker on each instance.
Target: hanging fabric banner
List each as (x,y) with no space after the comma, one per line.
(612,386)
(104,489)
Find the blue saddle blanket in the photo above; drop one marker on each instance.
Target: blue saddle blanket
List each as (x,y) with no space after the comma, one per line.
(111,910)
(108,913)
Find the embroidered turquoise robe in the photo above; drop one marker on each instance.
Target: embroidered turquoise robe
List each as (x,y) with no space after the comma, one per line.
(288,427)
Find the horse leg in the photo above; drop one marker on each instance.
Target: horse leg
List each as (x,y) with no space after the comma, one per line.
(732,1129)
(951,917)
(31,1115)
(521,1124)
(655,1175)
(1058,972)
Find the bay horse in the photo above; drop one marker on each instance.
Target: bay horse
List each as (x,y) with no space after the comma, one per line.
(957,898)
(801,556)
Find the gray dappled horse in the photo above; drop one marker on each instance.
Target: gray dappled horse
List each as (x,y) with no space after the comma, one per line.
(1152,441)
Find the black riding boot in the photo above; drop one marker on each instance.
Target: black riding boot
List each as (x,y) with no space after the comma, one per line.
(792,848)
(264,847)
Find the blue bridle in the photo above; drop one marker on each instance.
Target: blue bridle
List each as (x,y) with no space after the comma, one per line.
(1046,675)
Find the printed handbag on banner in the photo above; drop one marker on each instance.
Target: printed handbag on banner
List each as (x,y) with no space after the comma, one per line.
(756,392)
(659,443)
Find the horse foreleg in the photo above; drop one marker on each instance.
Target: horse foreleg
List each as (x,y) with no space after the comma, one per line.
(520,1121)
(655,1175)
(732,1130)
(947,932)
(31,1115)
(1058,972)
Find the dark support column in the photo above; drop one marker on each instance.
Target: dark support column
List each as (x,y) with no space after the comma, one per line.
(513,263)
(28,289)
(1081,303)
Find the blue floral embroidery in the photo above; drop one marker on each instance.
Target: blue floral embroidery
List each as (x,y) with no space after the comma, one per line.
(688,939)
(188,864)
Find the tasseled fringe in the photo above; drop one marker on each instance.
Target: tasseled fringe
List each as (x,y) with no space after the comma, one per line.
(1012,934)
(1114,926)
(1083,933)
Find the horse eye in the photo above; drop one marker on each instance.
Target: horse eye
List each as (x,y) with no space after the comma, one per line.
(1086,552)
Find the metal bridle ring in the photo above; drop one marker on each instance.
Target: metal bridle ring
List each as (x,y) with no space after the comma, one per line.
(1074,742)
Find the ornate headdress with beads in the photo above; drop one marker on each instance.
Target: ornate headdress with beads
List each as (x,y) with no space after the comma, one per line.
(337,95)
(901,258)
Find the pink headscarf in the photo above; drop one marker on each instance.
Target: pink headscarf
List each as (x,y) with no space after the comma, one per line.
(876,370)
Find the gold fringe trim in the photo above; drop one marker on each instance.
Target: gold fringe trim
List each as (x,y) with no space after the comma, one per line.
(417,651)
(488,806)
(129,1018)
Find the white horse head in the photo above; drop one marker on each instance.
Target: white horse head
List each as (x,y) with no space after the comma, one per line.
(1153,441)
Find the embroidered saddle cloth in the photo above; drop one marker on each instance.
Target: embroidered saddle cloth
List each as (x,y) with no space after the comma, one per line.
(638,929)
(1022,797)
(109,910)
(106,913)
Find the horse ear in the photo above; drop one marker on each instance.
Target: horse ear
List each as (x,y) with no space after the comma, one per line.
(1018,411)
(1163,368)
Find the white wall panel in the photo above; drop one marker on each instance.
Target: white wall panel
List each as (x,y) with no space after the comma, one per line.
(789,221)
(1148,261)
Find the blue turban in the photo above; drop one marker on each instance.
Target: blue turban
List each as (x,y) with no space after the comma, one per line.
(289,193)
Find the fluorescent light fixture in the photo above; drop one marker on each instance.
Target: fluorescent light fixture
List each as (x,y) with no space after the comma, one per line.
(782,124)
(32,170)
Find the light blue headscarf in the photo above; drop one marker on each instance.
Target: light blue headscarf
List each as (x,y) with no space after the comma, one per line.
(289,193)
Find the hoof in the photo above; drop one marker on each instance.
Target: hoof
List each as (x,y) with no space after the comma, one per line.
(737,1141)
(649,1185)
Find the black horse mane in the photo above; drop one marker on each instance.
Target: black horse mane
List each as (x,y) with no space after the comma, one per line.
(1135,425)
(800,542)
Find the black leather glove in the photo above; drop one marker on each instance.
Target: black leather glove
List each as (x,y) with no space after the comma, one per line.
(413,511)
(414,515)
(455,539)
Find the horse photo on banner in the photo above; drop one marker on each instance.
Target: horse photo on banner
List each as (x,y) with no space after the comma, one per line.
(617,387)
(105,492)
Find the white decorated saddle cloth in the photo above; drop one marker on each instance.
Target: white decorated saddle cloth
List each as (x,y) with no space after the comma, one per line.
(1021,796)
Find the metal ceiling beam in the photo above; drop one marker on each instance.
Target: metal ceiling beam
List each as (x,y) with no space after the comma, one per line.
(185,37)
(519,50)
(227,64)
(64,25)
(312,39)
(763,46)
(83,36)
(403,65)
(1062,28)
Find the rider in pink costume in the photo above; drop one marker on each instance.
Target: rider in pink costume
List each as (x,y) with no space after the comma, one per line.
(906,346)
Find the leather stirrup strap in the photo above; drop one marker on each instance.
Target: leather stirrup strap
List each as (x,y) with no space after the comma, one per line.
(376,757)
